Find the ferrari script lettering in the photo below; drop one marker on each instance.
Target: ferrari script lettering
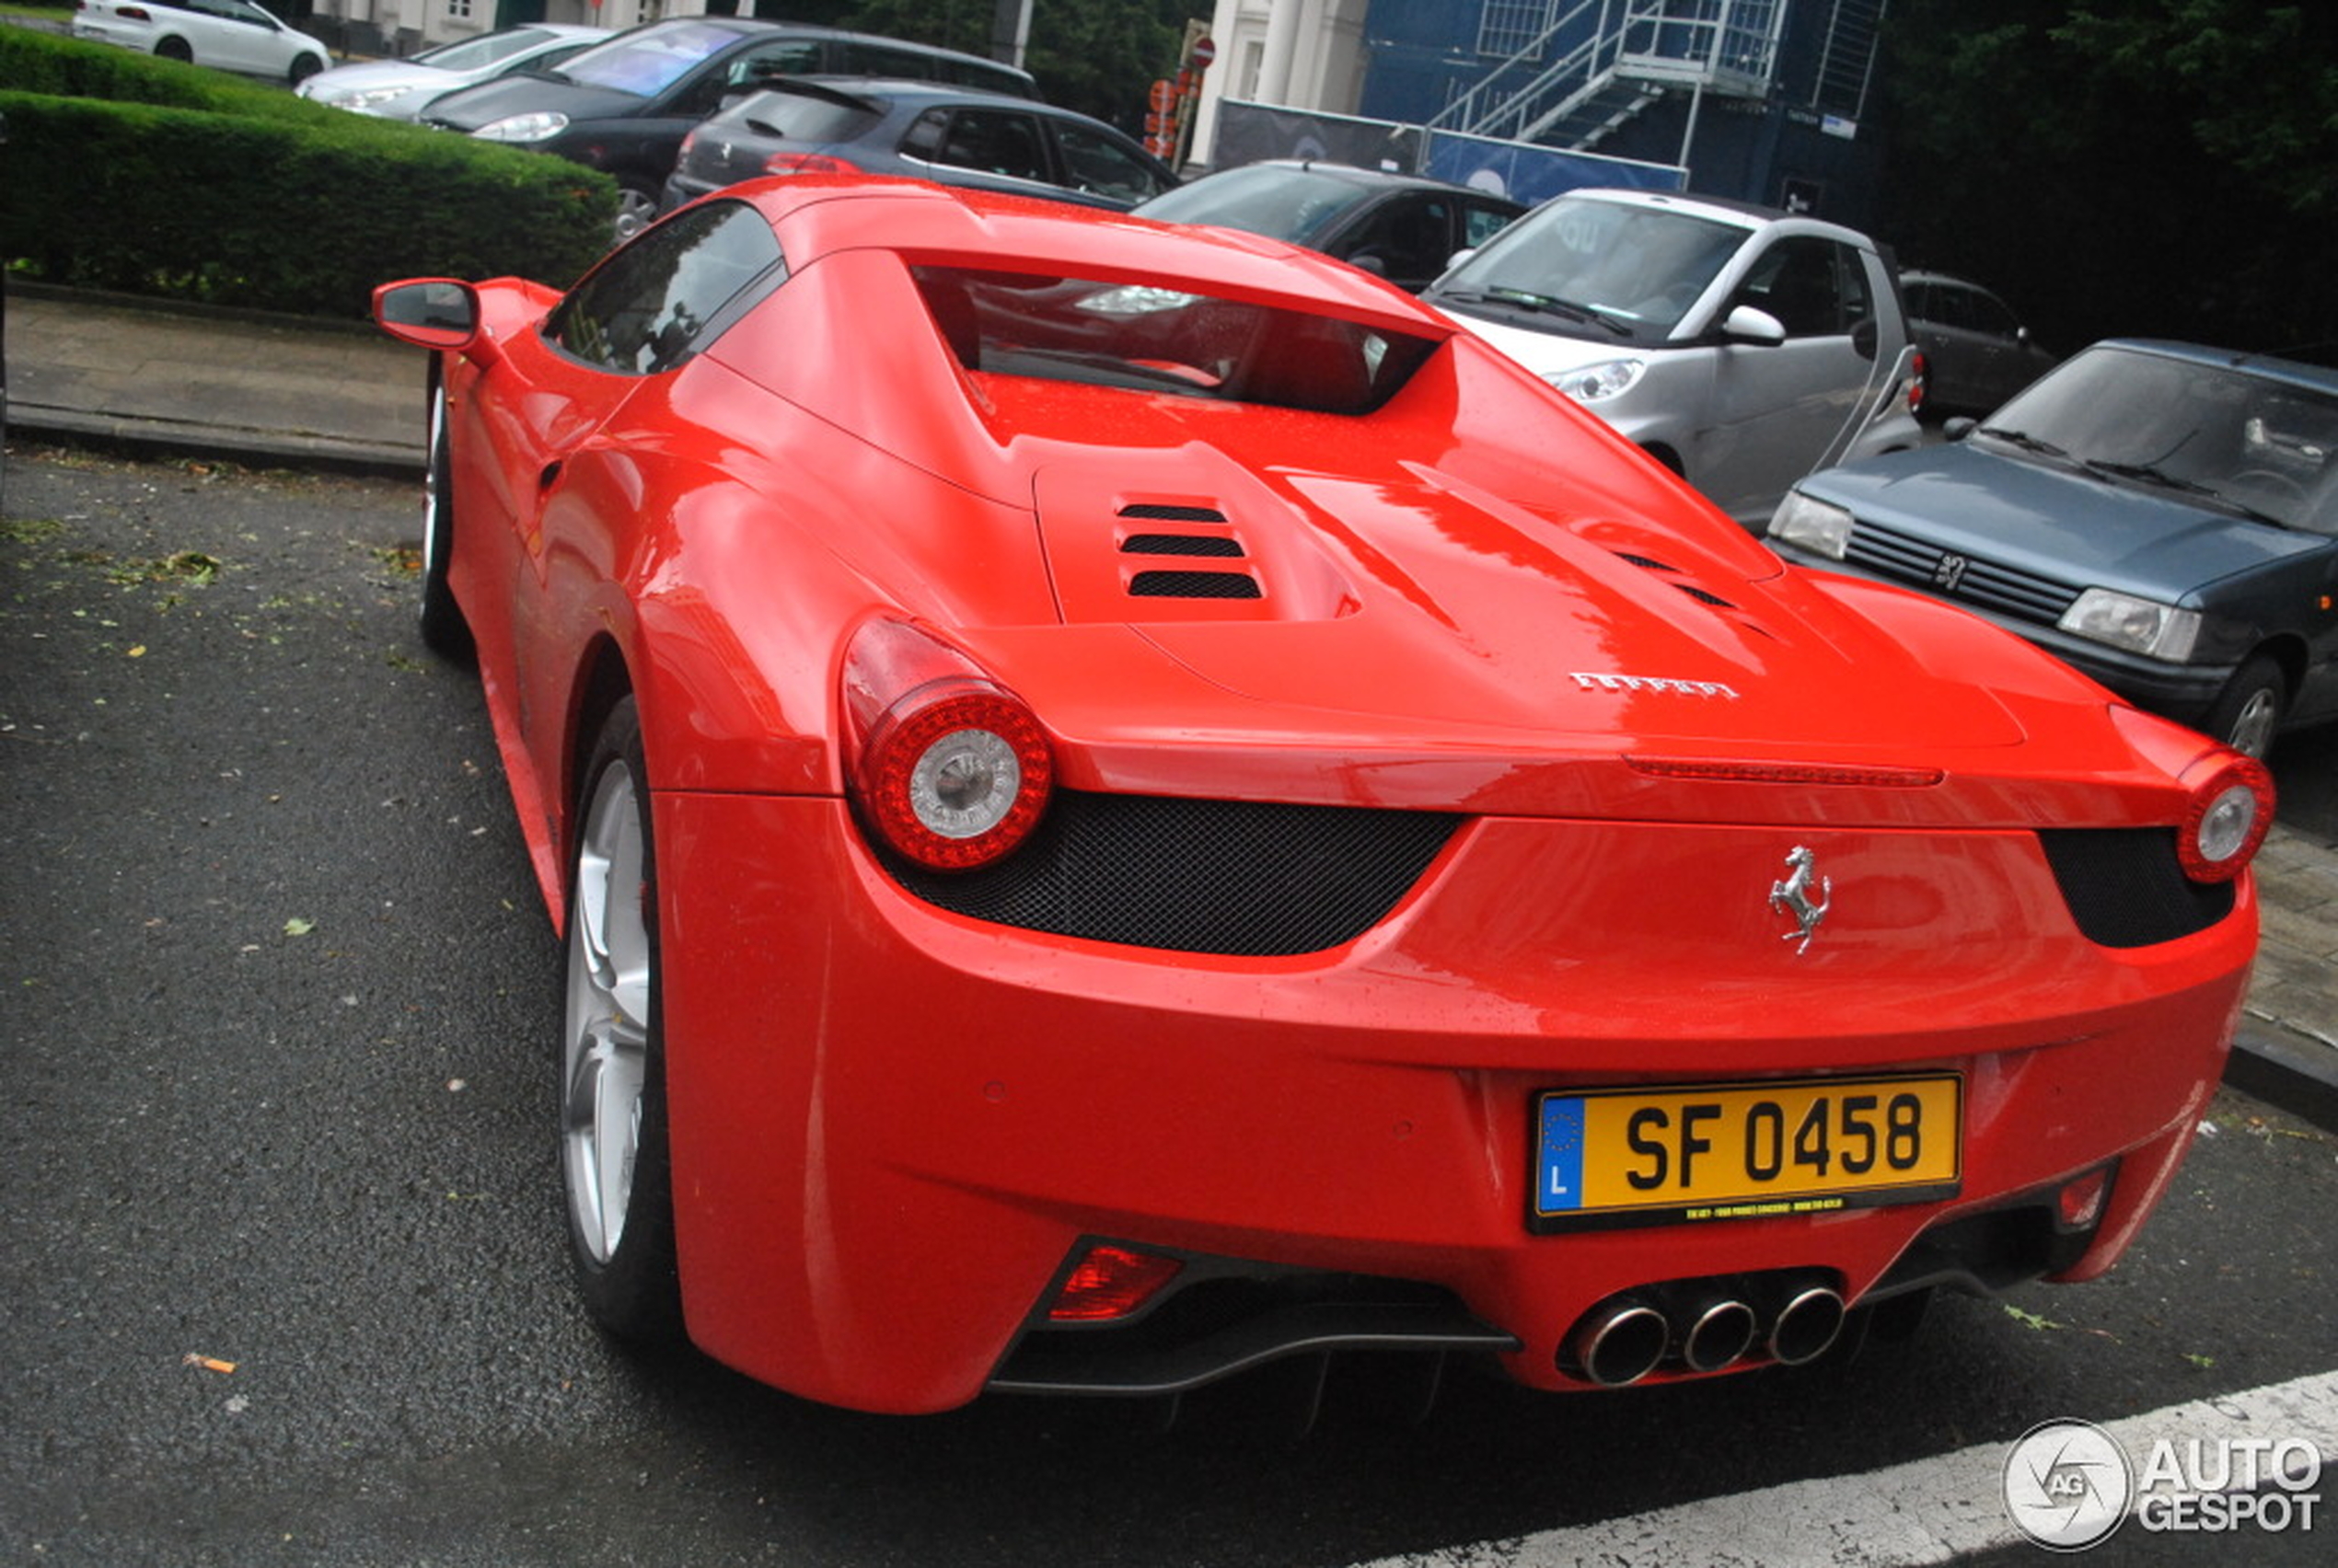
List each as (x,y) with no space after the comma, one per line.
(1653,683)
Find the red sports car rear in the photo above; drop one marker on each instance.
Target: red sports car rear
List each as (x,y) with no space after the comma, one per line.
(1127,804)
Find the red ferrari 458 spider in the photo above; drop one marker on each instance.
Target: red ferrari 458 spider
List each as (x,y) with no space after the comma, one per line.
(1127,803)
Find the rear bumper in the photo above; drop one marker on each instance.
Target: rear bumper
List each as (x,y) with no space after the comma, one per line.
(893,1126)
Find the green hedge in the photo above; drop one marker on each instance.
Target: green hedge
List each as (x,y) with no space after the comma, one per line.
(144,175)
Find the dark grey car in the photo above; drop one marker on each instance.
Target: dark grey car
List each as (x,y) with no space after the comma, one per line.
(2163,516)
(1405,227)
(952,135)
(1977,351)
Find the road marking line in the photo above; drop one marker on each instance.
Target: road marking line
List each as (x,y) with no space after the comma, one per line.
(1931,1511)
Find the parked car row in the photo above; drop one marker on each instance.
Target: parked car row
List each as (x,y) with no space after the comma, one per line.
(624,105)
(2161,517)
(402,89)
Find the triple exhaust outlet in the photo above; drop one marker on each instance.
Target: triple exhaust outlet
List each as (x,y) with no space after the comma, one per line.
(1700,1326)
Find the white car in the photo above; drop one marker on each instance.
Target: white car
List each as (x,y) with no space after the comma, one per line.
(228,35)
(1742,346)
(400,89)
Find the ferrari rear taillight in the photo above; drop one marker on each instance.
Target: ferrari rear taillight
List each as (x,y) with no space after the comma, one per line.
(1919,378)
(950,767)
(2227,821)
(807,163)
(1111,1282)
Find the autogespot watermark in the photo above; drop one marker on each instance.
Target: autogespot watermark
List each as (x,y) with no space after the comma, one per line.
(2069,1484)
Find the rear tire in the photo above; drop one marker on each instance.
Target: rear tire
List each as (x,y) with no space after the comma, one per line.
(444,631)
(614,1151)
(174,49)
(2249,712)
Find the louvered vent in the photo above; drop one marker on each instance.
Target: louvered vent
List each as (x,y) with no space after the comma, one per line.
(1702,595)
(1203,543)
(1194,585)
(1152,513)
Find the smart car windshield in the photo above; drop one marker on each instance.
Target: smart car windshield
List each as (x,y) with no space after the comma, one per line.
(1151,339)
(2220,433)
(647,63)
(1621,271)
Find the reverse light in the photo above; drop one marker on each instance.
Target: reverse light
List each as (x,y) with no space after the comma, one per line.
(2079,1204)
(540,126)
(1812,525)
(1596,383)
(807,163)
(2139,625)
(952,769)
(1111,1282)
(2227,821)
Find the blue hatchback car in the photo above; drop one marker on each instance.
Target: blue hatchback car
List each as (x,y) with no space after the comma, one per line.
(2161,515)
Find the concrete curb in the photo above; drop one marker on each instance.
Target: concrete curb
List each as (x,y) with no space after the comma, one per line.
(132,437)
(2293,1076)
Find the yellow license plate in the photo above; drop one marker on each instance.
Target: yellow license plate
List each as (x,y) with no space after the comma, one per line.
(1744,1151)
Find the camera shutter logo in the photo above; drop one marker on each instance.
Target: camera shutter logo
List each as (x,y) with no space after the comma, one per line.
(2068,1484)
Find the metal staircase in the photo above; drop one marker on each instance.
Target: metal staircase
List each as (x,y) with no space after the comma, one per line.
(1597,64)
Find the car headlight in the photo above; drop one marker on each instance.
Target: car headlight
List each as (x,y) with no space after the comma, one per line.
(2139,625)
(366,100)
(1594,383)
(1812,525)
(540,126)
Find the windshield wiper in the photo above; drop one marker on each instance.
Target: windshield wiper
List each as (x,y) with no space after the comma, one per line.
(2024,440)
(2160,479)
(1543,304)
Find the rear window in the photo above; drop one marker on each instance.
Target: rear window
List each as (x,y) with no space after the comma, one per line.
(803,117)
(1141,337)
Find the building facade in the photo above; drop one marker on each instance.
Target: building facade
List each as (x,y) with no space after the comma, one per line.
(1760,100)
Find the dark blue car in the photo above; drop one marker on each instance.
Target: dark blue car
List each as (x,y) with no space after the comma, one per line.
(2163,516)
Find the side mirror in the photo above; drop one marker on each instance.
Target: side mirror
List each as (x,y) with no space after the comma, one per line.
(430,312)
(1958,429)
(1745,324)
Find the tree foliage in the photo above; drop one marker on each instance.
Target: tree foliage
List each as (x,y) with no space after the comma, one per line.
(1097,56)
(2123,167)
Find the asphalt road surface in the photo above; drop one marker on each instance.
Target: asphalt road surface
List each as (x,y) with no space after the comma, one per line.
(282,1274)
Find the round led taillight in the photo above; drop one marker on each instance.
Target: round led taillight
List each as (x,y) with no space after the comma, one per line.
(956,774)
(2227,822)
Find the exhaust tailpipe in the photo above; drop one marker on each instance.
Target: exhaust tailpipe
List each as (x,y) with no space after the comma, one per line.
(1806,1326)
(1718,1334)
(1618,1343)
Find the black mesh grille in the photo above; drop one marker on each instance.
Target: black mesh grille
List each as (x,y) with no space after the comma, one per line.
(1232,877)
(2126,889)
(1180,545)
(1194,585)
